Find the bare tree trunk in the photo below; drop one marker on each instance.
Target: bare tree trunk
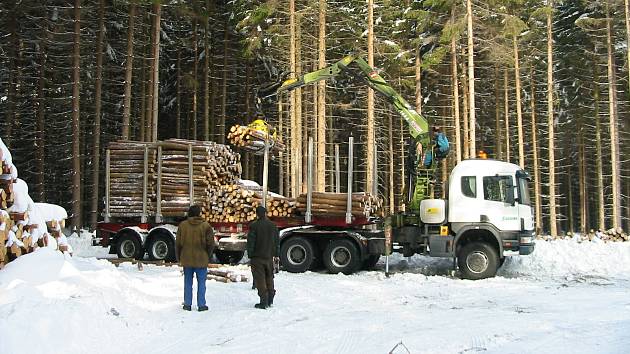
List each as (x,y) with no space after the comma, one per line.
(302,120)
(553,227)
(582,182)
(41,118)
(570,203)
(418,67)
(466,144)
(321,102)
(601,219)
(143,94)
(392,192)
(178,97)
(224,84)
(506,103)
(295,128)
(156,71)
(537,189)
(471,79)
(519,113)
(206,76)
(128,71)
(149,89)
(281,155)
(498,140)
(454,74)
(96,152)
(195,80)
(614,135)
(76,129)
(12,94)
(371,141)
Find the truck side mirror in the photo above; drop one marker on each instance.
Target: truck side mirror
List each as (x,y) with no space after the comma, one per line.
(510,198)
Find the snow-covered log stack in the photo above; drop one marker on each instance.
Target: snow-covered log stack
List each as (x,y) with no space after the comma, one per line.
(22,222)
(127,177)
(253,140)
(335,204)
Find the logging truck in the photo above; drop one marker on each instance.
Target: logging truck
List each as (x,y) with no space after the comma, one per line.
(486,216)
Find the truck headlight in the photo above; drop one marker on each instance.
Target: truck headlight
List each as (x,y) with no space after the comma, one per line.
(526,240)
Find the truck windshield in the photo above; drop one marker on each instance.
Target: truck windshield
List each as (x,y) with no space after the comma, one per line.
(523,191)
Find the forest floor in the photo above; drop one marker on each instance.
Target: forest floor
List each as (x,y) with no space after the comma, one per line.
(567,297)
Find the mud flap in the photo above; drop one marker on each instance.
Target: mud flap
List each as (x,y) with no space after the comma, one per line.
(441,246)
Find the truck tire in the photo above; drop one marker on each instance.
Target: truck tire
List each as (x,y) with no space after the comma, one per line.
(342,256)
(371,261)
(229,257)
(161,248)
(478,260)
(128,246)
(297,255)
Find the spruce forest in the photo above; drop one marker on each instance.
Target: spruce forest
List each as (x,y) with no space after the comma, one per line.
(540,83)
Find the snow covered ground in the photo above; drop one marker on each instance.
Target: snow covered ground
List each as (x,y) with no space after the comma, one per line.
(567,297)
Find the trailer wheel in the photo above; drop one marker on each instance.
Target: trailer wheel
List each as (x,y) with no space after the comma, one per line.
(128,246)
(371,261)
(478,260)
(229,257)
(297,255)
(160,248)
(342,256)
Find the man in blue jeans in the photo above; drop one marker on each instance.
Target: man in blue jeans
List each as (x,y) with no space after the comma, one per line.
(194,246)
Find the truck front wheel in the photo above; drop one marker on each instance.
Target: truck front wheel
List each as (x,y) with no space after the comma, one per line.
(342,256)
(297,255)
(478,260)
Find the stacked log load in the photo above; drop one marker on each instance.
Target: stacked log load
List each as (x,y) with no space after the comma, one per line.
(253,140)
(127,171)
(335,204)
(22,222)
(610,235)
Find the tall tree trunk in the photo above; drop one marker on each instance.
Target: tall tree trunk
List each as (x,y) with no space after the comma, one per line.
(570,218)
(41,117)
(96,152)
(519,113)
(76,129)
(143,93)
(537,182)
(224,84)
(466,144)
(506,104)
(601,218)
(194,80)
(281,167)
(553,227)
(614,135)
(206,76)
(156,71)
(128,71)
(321,101)
(371,141)
(392,192)
(498,139)
(302,120)
(454,74)
(471,80)
(178,96)
(582,181)
(12,94)
(149,89)
(418,67)
(295,128)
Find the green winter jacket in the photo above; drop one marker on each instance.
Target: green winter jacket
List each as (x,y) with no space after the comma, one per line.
(195,243)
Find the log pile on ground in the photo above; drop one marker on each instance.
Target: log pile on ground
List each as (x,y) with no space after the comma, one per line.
(335,204)
(23,225)
(253,140)
(127,171)
(216,272)
(610,235)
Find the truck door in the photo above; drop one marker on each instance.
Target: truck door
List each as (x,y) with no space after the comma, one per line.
(525,211)
(499,207)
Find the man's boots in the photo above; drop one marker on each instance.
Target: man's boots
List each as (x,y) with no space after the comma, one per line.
(271,294)
(264,302)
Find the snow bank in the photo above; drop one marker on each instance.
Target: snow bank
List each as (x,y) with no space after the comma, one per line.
(50,212)
(39,267)
(569,258)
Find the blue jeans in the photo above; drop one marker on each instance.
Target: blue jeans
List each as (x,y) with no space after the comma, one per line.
(201,274)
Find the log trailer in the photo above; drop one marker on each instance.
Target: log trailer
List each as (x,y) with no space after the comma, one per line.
(486,216)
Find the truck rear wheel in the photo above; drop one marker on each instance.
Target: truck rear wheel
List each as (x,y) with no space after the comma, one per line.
(342,256)
(297,255)
(160,248)
(229,257)
(478,260)
(128,246)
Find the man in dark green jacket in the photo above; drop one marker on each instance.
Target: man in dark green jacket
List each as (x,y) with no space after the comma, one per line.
(263,245)
(193,247)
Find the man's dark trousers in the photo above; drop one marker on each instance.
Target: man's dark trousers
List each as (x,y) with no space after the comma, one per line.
(201,274)
(262,271)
